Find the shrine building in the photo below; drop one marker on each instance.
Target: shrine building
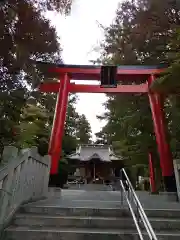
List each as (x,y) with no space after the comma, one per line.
(95,162)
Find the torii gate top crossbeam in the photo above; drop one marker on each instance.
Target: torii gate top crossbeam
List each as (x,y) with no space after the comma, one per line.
(92,72)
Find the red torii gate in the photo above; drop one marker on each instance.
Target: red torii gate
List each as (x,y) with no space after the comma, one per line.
(144,74)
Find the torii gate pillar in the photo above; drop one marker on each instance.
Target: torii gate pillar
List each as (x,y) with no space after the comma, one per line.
(166,161)
(55,146)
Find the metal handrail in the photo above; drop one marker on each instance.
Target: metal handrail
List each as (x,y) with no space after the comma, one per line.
(140,210)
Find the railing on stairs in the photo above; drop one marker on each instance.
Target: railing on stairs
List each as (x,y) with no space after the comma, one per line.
(135,207)
(24,177)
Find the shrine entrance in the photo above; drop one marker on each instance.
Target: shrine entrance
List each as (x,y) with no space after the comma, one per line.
(111,78)
(98,171)
(96,162)
(93,166)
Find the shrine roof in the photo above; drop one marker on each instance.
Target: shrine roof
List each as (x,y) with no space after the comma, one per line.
(92,72)
(89,152)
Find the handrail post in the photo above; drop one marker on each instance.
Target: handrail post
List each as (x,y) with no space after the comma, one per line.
(8,154)
(46,175)
(5,196)
(122,200)
(140,215)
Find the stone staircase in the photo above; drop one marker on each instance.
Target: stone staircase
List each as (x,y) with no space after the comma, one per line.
(91,212)
(95,219)
(90,187)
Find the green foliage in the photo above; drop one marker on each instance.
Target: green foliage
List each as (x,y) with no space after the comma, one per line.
(47,5)
(141,33)
(33,126)
(83,130)
(36,123)
(77,128)
(24,34)
(63,166)
(26,116)
(168,81)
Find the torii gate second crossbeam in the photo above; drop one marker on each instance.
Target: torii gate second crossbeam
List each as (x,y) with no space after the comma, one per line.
(144,75)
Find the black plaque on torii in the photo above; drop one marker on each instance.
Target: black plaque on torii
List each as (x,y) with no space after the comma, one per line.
(108,76)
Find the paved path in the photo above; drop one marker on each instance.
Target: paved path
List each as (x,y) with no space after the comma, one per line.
(82,198)
(105,199)
(150,201)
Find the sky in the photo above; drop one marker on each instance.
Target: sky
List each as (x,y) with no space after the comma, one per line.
(79,34)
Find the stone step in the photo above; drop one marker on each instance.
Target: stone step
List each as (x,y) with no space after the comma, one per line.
(92,222)
(101,212)
(165,224)
(78,211)
(90,187)
(73,221)
(163,213)
(16,233)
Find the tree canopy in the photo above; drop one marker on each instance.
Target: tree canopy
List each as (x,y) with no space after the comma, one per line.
(167,83)
(83,130)
(143,32)
(24,34)
(26,115)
